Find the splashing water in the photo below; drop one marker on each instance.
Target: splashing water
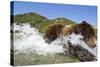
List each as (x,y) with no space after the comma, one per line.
(77,39)
(28,39)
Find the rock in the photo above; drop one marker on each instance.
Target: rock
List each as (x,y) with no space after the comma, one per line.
(82,53)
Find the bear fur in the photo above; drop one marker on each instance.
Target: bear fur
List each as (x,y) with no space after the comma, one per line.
(85,29)
(52,32)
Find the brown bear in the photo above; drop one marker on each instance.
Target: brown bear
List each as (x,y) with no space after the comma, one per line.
(56,30)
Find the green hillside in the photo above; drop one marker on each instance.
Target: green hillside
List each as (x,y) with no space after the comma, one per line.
(40,22)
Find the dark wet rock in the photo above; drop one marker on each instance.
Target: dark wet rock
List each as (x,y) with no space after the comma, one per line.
(82,53)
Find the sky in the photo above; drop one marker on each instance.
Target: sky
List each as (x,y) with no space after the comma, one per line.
(77,13)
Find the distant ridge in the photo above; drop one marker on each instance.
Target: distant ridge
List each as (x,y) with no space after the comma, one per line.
(38,21)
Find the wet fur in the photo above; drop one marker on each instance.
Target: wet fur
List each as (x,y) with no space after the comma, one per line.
(58,30)
(54,31)
(85,30)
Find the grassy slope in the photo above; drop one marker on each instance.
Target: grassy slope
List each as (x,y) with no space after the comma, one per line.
(38,21)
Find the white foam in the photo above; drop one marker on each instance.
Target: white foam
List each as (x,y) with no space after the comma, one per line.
(29,39)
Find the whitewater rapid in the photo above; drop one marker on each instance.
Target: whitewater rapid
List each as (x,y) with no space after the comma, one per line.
(28,39)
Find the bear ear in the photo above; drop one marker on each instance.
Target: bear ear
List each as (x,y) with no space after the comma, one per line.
(84,22)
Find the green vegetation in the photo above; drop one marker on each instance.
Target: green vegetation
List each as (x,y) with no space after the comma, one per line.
(38,21)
